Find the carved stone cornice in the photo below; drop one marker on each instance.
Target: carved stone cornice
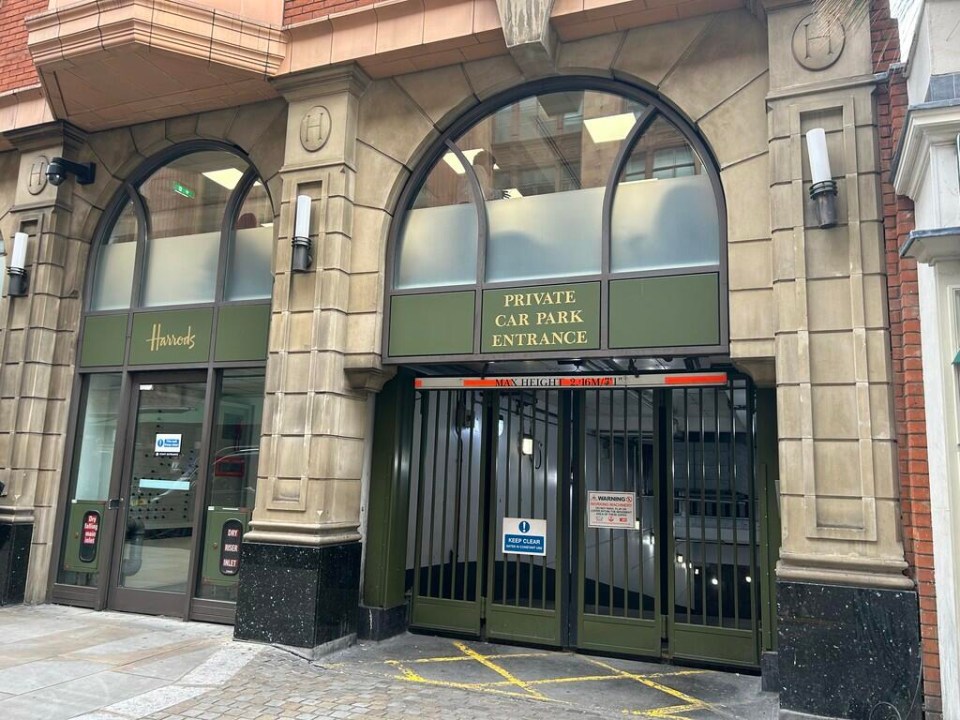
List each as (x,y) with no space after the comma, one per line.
(108,64)
(330,80)
(185,29)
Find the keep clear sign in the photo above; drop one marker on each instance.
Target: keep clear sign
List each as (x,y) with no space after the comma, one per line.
(611,510)
(523,536)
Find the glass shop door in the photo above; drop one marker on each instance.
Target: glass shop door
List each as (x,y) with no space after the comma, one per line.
(158,509)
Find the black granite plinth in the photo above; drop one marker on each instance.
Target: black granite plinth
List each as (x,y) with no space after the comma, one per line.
(769,672)
(848,652)
(14,555)
(381,623)
(296,595)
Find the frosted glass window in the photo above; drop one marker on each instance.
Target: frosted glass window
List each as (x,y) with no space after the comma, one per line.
(664,211)
(181,270)
(186,201)
(438,245)
(661,224)
(545,236)
(539,169)
(542,164)
(113,278)
(249,276)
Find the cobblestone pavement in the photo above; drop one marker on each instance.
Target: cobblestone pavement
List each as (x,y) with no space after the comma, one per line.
(60,663)
(423,677)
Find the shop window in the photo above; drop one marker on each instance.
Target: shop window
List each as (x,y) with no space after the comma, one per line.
(233,478)
(90,481)
(198,229)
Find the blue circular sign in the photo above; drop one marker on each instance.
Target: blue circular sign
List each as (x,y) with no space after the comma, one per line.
(524,526)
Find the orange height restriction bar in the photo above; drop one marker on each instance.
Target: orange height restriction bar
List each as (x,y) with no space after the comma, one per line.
(582,382)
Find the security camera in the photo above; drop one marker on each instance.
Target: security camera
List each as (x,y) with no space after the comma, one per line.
(55,172)
(58,169)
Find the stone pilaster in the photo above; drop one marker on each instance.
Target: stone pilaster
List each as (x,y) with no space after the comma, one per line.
(841,568)
(304,545)
(37,341)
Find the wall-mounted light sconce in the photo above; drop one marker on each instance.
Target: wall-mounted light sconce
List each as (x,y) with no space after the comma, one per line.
(823,191)
(301,258)
(58,169)
(19,279)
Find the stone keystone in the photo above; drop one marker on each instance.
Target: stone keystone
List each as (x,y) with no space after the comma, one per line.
(529,38)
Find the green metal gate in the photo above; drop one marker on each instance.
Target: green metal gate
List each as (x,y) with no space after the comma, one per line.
(648,495)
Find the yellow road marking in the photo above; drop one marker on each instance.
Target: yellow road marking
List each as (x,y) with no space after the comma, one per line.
(463,658)
(528,687)
(670,712)
(503,672)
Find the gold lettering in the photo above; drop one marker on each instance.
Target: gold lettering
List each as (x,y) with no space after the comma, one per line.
(158,340)
(553,297)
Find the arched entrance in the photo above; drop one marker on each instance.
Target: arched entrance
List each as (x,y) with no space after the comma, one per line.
(580,451)
(161,477)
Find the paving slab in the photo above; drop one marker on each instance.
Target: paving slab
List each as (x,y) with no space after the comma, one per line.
(32,676)
(114,666)
(172,664)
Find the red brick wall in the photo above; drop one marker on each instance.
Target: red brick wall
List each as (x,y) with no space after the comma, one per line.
(295,11)
(904,301)
(16,68)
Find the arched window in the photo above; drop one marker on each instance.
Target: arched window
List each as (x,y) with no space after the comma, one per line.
(570,181)
(198,229)
(171,361)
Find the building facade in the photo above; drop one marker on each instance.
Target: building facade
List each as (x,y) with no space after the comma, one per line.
(926,173)
(513,320)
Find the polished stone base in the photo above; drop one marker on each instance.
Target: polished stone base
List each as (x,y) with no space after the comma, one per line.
(14,555)
(769,672)
(848,652)
(382,623)
(298,596)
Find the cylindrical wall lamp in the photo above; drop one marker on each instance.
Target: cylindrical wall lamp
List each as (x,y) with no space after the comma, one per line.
(301,258)
(19,279)
(823,191)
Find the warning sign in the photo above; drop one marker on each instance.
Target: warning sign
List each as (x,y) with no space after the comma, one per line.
(523,536)
(611,510)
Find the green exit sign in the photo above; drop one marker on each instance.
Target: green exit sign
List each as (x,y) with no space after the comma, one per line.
(181,189)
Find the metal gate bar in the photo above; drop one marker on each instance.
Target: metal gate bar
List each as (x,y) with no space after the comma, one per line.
(447,553)
(698,468)
(714,526)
